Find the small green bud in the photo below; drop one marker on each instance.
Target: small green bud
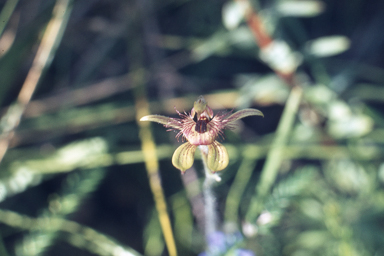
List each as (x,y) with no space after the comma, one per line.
(200,105)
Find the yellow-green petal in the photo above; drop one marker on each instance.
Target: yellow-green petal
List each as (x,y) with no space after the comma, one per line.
(183,157)
(217,158)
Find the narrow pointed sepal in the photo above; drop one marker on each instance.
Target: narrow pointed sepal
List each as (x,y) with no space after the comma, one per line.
(183,157)
(243,113)
(218,158)
(166,121)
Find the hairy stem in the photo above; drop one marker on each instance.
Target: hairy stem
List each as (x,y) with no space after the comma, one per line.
(209,197)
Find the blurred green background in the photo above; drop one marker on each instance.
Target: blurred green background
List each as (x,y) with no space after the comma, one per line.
(73,179)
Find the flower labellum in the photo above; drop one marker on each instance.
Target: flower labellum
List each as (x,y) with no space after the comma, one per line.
(201,128)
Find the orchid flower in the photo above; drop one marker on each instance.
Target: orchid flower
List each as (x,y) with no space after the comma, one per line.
(201,128)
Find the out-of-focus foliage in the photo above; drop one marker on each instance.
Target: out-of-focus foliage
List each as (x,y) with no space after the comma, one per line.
(74,179)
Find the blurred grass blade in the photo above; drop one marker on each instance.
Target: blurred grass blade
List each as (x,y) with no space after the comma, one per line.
(75,188)
(217,44)
(235,194)
(6,13)
(328,46)
(47,48)
(97,242)
(7,37)
(153,237)
(151,162)
(300,8)
(45,53)
(83,154)
(282,195)
(275,154)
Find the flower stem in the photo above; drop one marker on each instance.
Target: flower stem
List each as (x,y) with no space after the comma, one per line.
(276,154)
(209,197)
